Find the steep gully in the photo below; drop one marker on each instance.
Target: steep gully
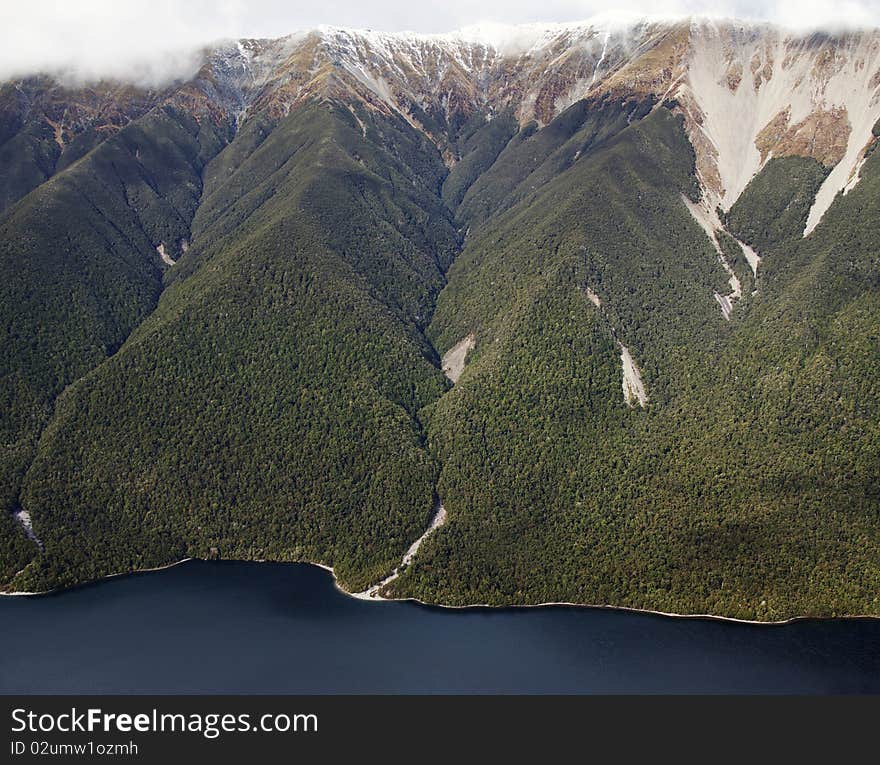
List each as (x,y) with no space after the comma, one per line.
(633,387)
(708,220)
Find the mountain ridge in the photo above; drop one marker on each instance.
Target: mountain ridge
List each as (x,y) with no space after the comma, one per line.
(803,94)
(226,322)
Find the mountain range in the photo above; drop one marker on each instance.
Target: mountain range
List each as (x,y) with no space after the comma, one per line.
(607,292)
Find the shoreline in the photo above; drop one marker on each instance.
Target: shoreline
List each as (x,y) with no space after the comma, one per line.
(106,577)
(438,518)
(591,606)
(362,596)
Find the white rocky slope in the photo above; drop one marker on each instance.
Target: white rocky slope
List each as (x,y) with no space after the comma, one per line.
(756,92)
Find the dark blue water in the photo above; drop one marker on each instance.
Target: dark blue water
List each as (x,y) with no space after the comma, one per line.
(273,628)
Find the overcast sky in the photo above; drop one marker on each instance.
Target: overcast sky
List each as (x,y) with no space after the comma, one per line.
(146,38)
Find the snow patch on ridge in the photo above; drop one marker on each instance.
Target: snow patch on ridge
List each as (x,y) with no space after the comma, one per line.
(601,59)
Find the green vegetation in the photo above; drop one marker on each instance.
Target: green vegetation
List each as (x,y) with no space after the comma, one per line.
(27,156)
(535,156)
(478,146)
(737,260)
(747,487)
(45,128)
(266,409)
(775,205)
(80,268)
(17,550)
(276,394)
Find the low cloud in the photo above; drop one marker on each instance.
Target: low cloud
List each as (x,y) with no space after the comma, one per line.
(152,41)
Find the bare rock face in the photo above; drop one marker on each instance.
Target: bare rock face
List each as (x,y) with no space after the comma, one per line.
(822,135)
(807,96)
(454,359)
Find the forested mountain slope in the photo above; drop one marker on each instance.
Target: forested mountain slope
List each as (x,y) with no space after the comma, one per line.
(46,126)
(747,485)
(81,268)
(266,408)
(225,316)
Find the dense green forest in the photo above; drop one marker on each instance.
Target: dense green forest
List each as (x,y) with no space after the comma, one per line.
(267,406)
(533,156)
(81,270)
(277,393)
(776,203)
(45,127)
(748,486)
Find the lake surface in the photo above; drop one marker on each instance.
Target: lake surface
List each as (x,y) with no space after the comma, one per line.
(216,627)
